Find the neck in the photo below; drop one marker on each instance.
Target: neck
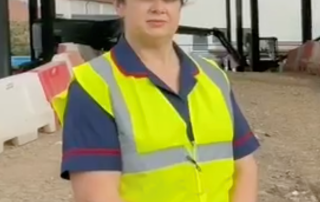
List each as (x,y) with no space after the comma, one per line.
(152,50)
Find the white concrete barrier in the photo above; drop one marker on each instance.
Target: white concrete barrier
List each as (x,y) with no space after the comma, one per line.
(23,109)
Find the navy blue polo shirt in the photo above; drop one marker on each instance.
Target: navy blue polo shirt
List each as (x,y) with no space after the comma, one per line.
(90,138)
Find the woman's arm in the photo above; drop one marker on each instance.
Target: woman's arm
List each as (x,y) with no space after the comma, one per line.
(245,186)
(97,186)
(91,149)
(246,180)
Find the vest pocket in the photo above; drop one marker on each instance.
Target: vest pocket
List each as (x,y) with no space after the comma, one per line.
(172,184)
(217,179)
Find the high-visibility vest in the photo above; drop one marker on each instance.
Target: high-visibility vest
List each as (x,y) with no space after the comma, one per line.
(160,164)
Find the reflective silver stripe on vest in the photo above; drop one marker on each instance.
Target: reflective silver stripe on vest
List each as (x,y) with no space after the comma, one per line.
(216,75)
(133,162)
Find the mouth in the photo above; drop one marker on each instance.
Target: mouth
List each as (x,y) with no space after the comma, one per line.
(156,23)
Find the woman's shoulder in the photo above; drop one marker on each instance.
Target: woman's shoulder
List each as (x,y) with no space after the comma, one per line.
(80,99)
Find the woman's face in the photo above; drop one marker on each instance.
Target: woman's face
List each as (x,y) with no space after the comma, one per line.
(151,18)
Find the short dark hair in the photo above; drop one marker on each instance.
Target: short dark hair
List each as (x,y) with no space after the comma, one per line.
(183,2)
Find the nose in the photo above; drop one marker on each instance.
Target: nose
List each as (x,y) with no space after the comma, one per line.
(158,7)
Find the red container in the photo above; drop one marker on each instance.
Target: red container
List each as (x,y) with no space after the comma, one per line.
(55,78)
(292,62)
(306,55)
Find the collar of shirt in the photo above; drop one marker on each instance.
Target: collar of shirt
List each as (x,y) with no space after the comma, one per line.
(130,64)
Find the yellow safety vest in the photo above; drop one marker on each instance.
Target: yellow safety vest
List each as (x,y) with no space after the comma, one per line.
(160,164)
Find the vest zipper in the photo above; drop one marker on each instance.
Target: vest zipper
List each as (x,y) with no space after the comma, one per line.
(198,170)
(194,162)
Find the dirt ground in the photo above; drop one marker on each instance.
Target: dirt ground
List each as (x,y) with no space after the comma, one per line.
(283,111)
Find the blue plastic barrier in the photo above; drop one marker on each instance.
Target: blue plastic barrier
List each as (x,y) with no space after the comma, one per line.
(16,61)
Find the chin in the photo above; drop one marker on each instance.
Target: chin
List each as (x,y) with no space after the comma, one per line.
(158,34)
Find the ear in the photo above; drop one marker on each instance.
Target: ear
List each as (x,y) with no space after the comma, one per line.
(119,7)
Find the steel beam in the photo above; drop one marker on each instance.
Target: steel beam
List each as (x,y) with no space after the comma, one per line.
(48,14)
(5,48)
(255,35)
(306,20)
(239,27)
(33,16)
(228,17)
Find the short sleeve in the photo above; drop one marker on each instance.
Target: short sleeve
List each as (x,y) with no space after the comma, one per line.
(90,140)
(244,142)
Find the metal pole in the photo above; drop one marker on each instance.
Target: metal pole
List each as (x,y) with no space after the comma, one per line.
(306,20)
(240,33)
(5,48)
(228,17)
(48,14)
(255,36)
(239,27)
(33,16)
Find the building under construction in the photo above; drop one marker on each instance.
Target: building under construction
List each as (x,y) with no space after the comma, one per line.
(237,19)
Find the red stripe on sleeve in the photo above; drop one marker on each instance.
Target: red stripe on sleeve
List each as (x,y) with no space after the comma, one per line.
(91,152)
(241,141)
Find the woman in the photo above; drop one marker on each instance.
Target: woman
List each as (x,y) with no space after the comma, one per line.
(147,123)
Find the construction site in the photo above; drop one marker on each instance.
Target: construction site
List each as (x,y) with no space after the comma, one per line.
(276,85)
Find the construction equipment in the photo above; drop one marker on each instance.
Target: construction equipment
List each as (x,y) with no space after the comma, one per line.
(269,57)
(241,63)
